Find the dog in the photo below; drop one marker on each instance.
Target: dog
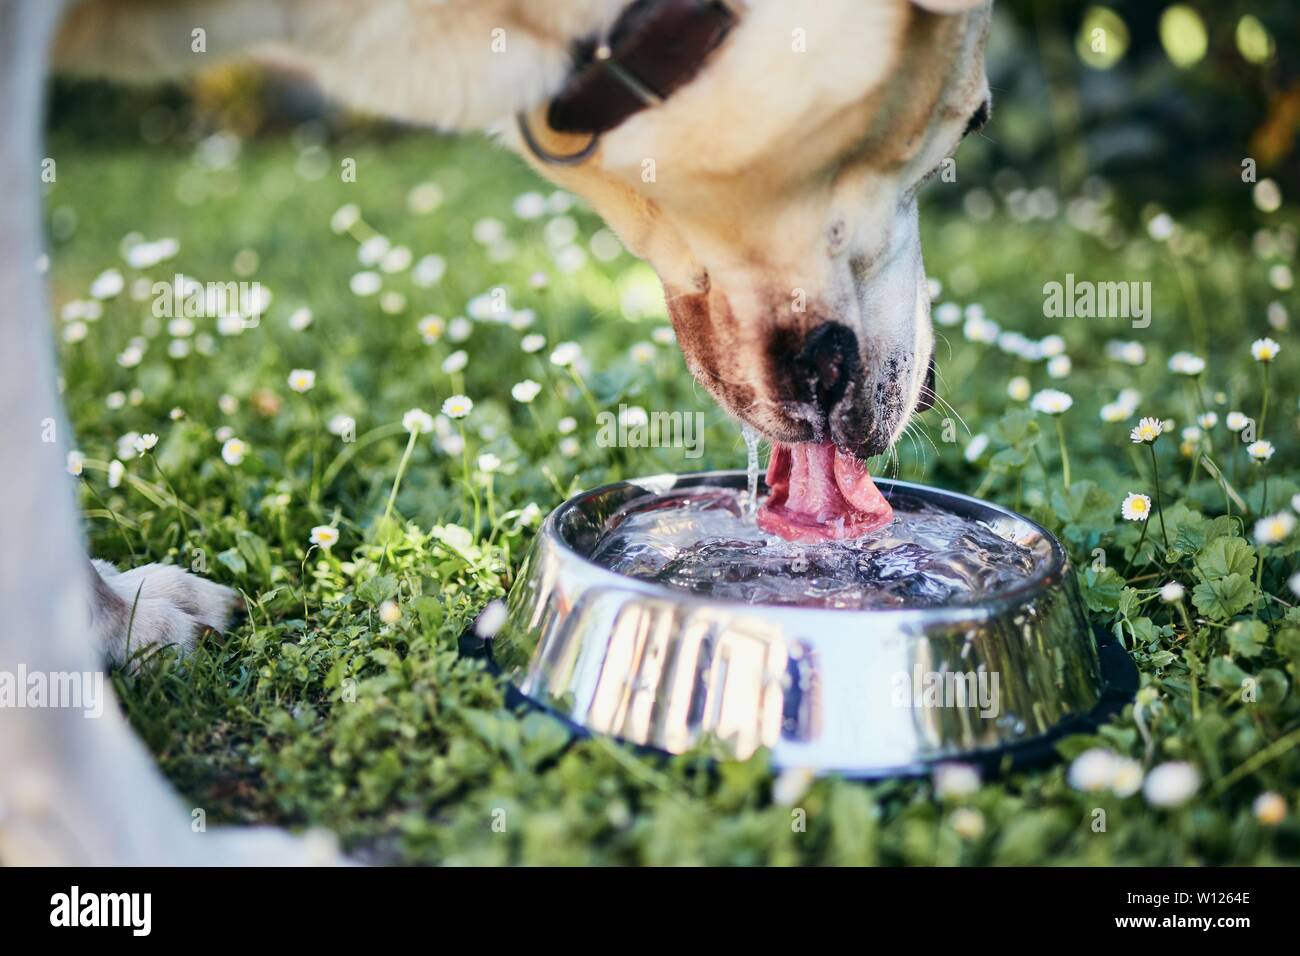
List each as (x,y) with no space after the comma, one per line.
(763,156)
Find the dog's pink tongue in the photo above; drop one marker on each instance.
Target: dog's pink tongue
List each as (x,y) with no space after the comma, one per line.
(818,493)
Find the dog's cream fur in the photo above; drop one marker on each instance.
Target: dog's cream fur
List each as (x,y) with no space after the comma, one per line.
(790,164)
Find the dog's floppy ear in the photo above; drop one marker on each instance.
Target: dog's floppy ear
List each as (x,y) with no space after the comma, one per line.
(949,6)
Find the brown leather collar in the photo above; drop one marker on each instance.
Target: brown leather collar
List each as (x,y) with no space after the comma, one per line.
(653,49)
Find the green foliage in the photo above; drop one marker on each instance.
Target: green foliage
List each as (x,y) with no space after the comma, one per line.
(343,698)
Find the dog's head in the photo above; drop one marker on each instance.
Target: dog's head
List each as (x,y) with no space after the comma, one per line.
(775,195)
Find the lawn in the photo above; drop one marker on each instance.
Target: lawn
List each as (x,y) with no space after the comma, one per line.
(342,699)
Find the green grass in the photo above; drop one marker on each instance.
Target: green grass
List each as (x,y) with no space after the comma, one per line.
(262,726)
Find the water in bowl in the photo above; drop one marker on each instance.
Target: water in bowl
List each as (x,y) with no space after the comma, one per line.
(705,540)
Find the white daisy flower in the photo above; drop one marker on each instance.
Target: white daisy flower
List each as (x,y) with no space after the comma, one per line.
(300,319)
(1171,784)
(490,620)
(324,537)
(955,780)
(431,328)
(392,303)
(488,463)
(1135,507)
(1018,389)
(107,285)
(116,471)
(978,329)
(1260,451)
(145,443)
(530,515)
(459,329)
(126,445)
(566,425)
(115,400)
(643,353)
(1113,412)
(76,463)
(1050,401)
(341,425)
(302,380)
(1274,529)
(458,406)
(1092,771)
(429,271)
(1059,366)
(396,259)
(451,445)
(663,335)
(344,218)
(1236,421)
(233,451)
(389,612)
(1126,353)
(1172,592)
(1185,363)
(228,404)
(455,362)
(967,823)
(373,249)
(1208,420)
(1146,431)
(1264,350)
(530,205)
(976,447)
(1051,346)
(131,356)
(525,391)
(417,421)
(224,433)
(569,447)
(947,314)
(179,348)
(566,353)
(176,414)
(532,343)
(1269,808)
(365,283)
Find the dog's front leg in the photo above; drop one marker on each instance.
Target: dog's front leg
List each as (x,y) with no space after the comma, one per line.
(74,787)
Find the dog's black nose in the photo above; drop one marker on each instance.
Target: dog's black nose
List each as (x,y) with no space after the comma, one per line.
(828,362)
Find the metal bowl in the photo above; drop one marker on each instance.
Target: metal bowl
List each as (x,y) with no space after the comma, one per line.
(863,693)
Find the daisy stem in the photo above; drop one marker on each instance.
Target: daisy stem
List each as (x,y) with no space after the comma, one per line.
(1263,411)
(401,469)
(126,539)
(1138,550)
(468,479)
(1155,472)
(1065,455)
(176,499)
(586,393)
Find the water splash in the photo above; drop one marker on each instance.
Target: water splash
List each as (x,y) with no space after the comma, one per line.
(702,540)
(751,447)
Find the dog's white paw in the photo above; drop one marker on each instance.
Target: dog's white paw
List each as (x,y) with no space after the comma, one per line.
(155,605)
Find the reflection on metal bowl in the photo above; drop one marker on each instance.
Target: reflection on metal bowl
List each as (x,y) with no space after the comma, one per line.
(863,693)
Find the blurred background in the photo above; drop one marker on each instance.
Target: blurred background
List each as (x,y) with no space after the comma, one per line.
(1165,101)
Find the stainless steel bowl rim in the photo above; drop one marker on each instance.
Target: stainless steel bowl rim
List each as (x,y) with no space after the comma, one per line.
(1052,571)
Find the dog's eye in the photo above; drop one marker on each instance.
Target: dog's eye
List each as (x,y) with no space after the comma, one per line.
(978,119)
